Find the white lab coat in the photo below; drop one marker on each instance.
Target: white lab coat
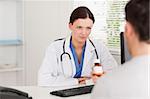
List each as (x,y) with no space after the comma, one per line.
(54,73)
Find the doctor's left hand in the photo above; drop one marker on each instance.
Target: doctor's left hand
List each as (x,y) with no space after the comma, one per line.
(82,80)
(95,77)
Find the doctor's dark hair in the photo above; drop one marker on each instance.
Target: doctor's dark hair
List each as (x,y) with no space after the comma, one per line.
(81,12)
(137,14)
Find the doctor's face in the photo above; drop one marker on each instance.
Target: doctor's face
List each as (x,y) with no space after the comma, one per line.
(81,28)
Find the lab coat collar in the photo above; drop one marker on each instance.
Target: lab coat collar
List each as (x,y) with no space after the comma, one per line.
(89,46)
(89,51)
(67,49)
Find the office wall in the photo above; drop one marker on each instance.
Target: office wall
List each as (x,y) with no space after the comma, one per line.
(11,67)
(44,21)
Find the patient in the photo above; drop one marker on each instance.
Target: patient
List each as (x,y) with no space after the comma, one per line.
(130,81)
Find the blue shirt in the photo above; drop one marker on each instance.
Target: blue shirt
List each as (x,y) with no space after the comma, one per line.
(77,64)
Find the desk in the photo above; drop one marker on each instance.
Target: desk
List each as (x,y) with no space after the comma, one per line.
(44,92)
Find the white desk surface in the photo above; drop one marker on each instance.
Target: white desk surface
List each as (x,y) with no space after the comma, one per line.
(44,92)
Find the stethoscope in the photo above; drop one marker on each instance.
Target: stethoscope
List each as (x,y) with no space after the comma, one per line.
(65,53)
(69,56)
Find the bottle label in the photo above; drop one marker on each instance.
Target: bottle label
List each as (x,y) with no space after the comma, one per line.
(98,70)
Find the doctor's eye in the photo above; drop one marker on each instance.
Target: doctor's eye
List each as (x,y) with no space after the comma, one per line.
(79,27)
(89,28)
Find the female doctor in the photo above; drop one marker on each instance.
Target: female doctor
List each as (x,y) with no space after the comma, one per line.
(69,61)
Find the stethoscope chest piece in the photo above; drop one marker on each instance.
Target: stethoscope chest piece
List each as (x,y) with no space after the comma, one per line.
(67,68)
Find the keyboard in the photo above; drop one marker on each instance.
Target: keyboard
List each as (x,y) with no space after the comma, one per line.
(73,91)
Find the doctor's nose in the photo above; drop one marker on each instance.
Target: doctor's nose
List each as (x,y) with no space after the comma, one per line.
(84,31)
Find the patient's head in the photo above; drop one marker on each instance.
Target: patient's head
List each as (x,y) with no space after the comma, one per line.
(137,23)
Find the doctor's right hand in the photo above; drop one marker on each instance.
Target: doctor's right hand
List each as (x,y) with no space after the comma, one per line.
(82,80)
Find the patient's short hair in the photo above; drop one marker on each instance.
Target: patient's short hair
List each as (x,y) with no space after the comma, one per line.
(137,13)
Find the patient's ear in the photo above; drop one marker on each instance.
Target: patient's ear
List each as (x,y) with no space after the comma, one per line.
(129,30)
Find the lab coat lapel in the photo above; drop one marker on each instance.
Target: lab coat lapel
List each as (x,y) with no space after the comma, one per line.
(89,52)
(67,49)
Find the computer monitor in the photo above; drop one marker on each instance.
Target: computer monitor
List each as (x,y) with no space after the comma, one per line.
(125,56)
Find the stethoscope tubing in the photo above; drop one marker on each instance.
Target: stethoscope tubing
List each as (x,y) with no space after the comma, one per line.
(64,52)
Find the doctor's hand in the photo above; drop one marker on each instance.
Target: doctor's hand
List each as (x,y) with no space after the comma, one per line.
(82,80)
(95,76)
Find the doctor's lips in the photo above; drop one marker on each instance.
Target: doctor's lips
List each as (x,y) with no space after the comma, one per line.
(83,37)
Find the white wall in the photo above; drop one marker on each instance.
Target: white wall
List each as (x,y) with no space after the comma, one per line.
(11,71)
(44,21)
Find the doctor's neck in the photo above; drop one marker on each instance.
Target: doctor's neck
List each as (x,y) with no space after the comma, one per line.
(77,45)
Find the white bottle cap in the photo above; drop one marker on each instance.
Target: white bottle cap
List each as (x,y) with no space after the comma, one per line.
(97,61)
